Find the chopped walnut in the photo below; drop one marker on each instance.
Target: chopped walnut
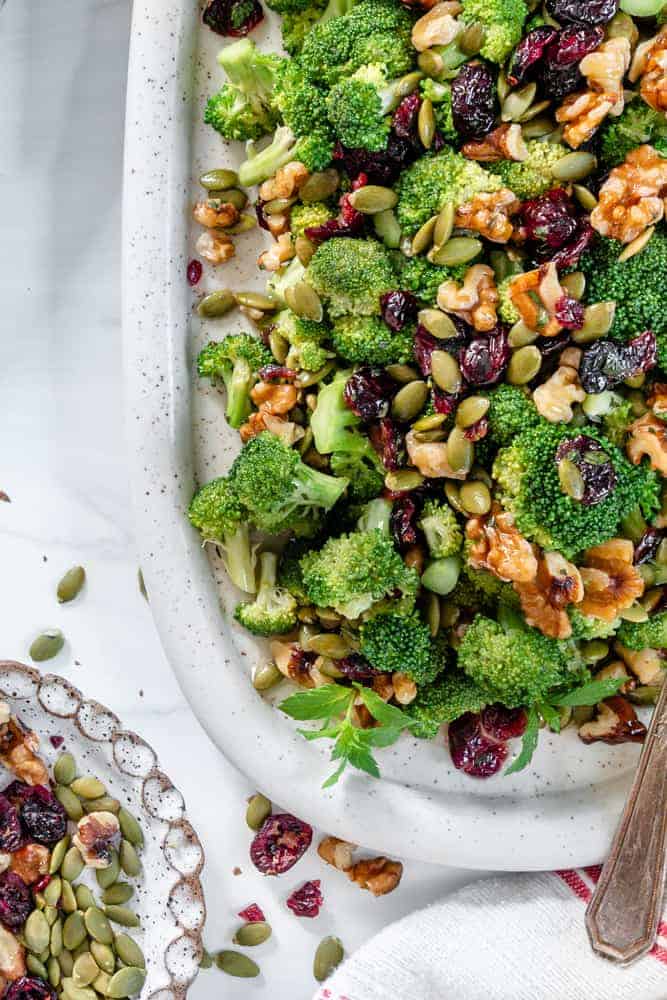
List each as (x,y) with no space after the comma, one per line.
(544,599)
(12,956)
(405,689)
(633,196)
(657,399)
(475,300)
(378,875)
(18,752)
(430,458)
(648,665)
(214,214)
(273,401)
(617,670)
(287,181)
(650,63)
(582,114)
(30,862)
(500,548)
(274,397)
(648,436)
(616,722)
(278,224)
(337,853)
(571,356)
(505,143)
(535,295)
(489,214)
(611,581)
(215,248)
(293,662)
(281,251)
(438,27)
(554,398)
(605,68)
(95,836)
(288,432)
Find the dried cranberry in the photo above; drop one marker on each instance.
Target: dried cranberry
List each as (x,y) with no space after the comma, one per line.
(41,884)
(551,347)
(398,309)
(382,167)
(356,667)
(262,220)
(605,364)
(56,741)
(501,723)
(484,359)
(583,11)
(593,462)
(528,52)
(29,988)
(548,221)
(572,44)
(423,347)
(444,402)
(568,255)
(17,792)
(557,84)
(234,18)
(195,271)
(368,393)
(300,660)
(472,752)
(43,817)
(15,901)
(350,222)
(647,546)
(402,523)
(389,443)
(10,827)
(474,100)
(306,901)
(282,840)
(271,373)
(404,122)
(641,352)
(252,914)
(478,430)
(569,313)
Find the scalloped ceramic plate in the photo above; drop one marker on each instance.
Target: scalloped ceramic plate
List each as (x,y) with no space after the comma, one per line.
(559,812)
(168,898)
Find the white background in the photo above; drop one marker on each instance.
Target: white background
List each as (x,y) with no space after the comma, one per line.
(62,462)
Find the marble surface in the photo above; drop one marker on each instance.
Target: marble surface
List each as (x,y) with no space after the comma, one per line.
(63,464)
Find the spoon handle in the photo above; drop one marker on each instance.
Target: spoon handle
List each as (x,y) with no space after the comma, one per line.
(623,916)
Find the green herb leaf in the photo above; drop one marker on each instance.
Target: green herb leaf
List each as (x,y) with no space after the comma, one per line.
(383,736)
(551,716)
(529,743)
(388,715)
(590,694)
(325,733)
(318,703)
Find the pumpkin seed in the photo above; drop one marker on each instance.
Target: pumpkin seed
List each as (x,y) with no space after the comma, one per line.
(106,803)
(127,982)
(517,102)
(442,575)
(537,127)
(304,249)
(70,803)
(520,335)
(53,971)
(460,451)
(574,166)
(85,969)
(586,198)
(524,365)
(432,613)
(73,864)
(57,855)
(107,876)
(40,902)
(402,373)
(252,934)
(635,613)
(328,644)
(56,938)
(444,225)
(255,300)
(129,859)
(122,915)
(216,304)
(574,284)
(265,676)
(328,956)
(533,111)
(430,63)
(74,931)
(130,828)
(47,645)
(120,892)
(71,584)
(452,494)
(502,85)
(438,323)
(101,983)
(304,301)
(277,206)
(232,196)
(598,319)
(635,381)
(279,347)
(571,479)
(471,410)
(475,497)
(319,186)
(404,479)
(243,225)
(84,897)
(52,891)
(373,198)
(64,769)
(409,400)
(104,956)
(34,966)
(215,180)
(405,86)
(430,423)
(234,963)
(423,238)
(68,899)
(622,25)
(259,809)
(445,372)
(472,38)
(51,914)
(458,250)
(36,932)
(435,435)
(66,963)
(306,379)
(98,925)
(645,694)
(636,245)
(129,951)
(387,228)
(426,123)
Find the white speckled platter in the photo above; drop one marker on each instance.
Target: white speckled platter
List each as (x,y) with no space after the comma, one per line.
(558,813)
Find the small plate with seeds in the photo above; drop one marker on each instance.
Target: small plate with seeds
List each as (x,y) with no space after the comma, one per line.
(100,894)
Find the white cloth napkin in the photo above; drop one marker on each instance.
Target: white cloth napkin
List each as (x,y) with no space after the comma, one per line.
(511,937)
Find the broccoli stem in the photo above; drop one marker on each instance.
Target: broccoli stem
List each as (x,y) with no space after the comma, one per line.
(238,386)
(260,166)
(317,488)
(240,559)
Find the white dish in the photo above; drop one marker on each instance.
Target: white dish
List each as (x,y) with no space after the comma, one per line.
(563,809)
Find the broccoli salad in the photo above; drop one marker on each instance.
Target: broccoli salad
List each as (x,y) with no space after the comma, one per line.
(448,512)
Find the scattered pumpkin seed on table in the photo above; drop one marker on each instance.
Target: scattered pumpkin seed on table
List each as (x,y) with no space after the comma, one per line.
(328,957)
(253,933)
(47,645)
(236,964)
(71,583)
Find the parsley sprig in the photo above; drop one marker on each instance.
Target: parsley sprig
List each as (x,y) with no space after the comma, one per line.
(333,704)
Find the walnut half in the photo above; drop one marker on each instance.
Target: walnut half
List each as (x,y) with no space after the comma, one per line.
(616,722)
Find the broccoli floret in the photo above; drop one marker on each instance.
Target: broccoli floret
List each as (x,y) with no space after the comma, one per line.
(288,276)
(305,339)
(302,217)
(376,514)
(636,285)
(217,514)
(645,635)
(510,412)
(243,108)
(301,104)
(436,180)
(507,311)
(355,571)
(368,340)
(358,107)
(617,421)
(527,475)
(419,276)
(443,532)
(276,488)
(486,584)
(533,176)
(236,360)
(366,479)
(273,612)
(503,23)
(400,643)
(314,151)
(440,95)
(639,123)
(351,275)
(515,666)
(585,628)
(445,700)
(289,568)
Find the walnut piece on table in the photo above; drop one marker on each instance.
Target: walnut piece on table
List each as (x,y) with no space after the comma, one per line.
(378,875)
